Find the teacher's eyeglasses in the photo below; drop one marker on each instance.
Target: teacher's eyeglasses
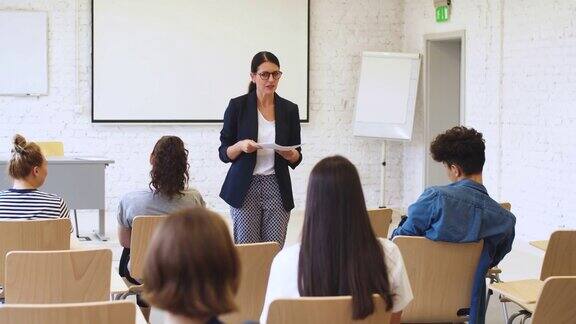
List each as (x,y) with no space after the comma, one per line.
(266,75)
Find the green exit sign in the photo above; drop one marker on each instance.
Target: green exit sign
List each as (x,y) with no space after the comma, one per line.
(442,13)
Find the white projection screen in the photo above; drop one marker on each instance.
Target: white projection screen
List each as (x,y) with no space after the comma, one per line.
(181,61)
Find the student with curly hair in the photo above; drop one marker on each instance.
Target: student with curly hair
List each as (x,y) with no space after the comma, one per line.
(463,211)
(168,193)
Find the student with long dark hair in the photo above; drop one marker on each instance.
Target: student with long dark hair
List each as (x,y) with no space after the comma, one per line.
(257,186)
(339,254)
(168,193)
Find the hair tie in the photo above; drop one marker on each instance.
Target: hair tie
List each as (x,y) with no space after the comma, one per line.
(18,149)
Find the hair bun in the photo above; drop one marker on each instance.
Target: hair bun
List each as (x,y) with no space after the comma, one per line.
(19,143)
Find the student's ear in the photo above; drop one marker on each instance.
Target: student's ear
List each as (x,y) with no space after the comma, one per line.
(36,171)
(151,159)
(457,170)
(452,171)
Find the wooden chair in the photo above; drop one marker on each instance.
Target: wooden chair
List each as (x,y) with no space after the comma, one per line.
(441,275)
(333,310)
(559,260)
(494,273)
(111,312)
(32,235)
(560,255)
(380,219)
(556,301)
(45,277)
(256,260)
(506,205)
(50,149)
(143,228)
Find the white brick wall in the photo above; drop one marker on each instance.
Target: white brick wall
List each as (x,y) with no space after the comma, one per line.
(520,92)
(521,68)
(340,30)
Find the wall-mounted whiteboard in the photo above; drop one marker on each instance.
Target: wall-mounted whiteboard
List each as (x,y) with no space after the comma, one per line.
(23,53)
(183,60)
(386,96)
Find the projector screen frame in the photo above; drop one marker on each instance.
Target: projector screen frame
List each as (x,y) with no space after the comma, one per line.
(188,121)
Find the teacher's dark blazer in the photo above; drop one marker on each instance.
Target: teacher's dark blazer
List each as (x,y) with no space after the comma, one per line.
(241,122)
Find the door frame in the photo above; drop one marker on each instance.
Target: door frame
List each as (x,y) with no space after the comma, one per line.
(428,38)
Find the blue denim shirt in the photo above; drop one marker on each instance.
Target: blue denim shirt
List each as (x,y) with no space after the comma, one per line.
(463,212)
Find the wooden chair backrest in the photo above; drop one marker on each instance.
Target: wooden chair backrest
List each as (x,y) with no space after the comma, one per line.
(46,277)
(110,312)
(32,235)
(506,205)
(441,275)
(560,256)
(556,301)
(51,148)
(143,228)
(380,219)
(255,260)
(333,310)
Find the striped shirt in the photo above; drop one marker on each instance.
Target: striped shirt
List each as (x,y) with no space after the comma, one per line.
(31,204)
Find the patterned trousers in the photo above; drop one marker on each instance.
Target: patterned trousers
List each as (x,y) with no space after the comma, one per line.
(262,217)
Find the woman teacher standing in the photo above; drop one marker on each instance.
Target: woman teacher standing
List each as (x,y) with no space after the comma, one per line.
(257,186)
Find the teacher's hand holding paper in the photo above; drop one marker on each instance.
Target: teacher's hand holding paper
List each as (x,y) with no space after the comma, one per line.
(248,146)
(287,152)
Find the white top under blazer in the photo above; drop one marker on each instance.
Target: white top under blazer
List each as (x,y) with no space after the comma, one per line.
(265,157)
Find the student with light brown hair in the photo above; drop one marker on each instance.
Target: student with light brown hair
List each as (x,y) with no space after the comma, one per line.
(28,169)
(192,269)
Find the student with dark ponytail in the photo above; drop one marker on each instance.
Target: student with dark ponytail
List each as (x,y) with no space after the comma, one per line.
(168,192)
(339,255)
(257,186)
(28,169)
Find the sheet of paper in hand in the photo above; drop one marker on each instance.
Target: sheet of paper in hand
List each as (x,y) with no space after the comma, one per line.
(274,146)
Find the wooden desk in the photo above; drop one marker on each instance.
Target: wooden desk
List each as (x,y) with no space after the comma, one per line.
(79,181)
(522,292)
(542,245)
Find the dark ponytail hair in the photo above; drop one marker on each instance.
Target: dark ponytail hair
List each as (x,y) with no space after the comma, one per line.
(337,235)
(258,59)
(169,175)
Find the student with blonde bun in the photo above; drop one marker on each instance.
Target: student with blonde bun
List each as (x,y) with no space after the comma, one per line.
(28,169)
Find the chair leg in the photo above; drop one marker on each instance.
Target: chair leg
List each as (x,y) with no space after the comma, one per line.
(85,238)
(513,317)
(488,294)
(526,316)
(521,312)
(76,224)
(504,309)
